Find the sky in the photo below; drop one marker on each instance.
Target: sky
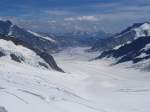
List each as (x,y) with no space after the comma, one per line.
(71,15)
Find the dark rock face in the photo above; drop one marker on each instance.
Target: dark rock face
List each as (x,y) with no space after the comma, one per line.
(111,42)
(50,60)
(2,54)
(16,58)
(43,64)
(129,52)
(44,55)
(2,109)
(4,27)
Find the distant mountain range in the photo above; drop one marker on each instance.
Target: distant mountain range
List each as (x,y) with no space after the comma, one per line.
(77,38)
(131,45)
(51,42)
(44,44)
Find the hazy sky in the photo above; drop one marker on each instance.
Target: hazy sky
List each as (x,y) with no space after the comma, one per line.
(67,15)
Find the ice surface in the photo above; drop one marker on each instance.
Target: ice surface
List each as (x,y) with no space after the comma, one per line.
(87,86)
(117,88)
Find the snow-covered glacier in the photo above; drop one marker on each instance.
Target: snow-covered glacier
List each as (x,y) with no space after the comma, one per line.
(26,87)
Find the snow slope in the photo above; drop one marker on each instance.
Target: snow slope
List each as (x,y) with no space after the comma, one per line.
(22,54)
(28,89)
(88,86)
(113,88)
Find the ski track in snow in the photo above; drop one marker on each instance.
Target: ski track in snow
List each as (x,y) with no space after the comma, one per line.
(87,86)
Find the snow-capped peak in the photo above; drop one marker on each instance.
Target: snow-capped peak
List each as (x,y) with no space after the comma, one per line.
(10,29)
(138,29)
(145,26)
(142,30)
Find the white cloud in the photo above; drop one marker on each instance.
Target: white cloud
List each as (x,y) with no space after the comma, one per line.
(51,21)
(58,12)
(82,18)
(87,18)
(69,19)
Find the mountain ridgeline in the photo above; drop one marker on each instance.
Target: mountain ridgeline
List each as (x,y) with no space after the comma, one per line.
(40,42)
(77,38)
(127,35)
(41,45)
(131,45)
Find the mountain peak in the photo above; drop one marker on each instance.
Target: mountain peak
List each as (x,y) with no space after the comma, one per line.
(145,26)
(138,29)
(142,30)
(9,22)
(136,25)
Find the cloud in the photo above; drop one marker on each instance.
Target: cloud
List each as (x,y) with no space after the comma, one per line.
(69,19)
(87,18)
(113,15)
(82,18)
(58,12)
(52,21)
